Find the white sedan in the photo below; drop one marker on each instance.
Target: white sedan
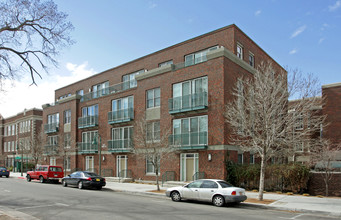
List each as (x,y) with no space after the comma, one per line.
(218,192)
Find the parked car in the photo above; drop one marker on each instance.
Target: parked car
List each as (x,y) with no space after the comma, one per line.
(46,173)
(218,192)
(84,179)
(4,172)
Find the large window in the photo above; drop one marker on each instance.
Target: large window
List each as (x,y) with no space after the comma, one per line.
(150,168)
(122,137)
(100,89)
(251,59)
(67,163)
(129,79)
(67,140)
(169,62)
(299,122)
(51,119)
(198,57)
(90,111)
(153,98)
(90,137)
(24,126)
(153,131)
(52,140)
(123,103)
(67,117)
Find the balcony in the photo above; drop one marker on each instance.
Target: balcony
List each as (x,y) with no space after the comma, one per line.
(88,121)
(51,128)
(110,90)
(187,103)
(51,149)
(87,148)
(120,146)
(119,116)
(189,141)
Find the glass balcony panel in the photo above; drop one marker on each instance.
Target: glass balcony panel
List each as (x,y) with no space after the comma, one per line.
(122,115)
(193,140)
(188,103)
(88,121)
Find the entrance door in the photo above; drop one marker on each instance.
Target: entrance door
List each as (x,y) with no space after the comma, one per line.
(189,165)
(121,166)
(89,163)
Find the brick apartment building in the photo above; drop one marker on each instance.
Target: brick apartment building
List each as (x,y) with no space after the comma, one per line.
(183,87)
(16,133)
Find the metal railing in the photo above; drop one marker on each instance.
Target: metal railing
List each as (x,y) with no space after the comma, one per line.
(51,128)
(88,121)
(121,115)
(188,102)
(120,145)
(168,176)
(110,90)
(199,175)
(85,147)
(51,149)
(188,139)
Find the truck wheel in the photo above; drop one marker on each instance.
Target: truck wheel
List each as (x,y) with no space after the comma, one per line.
(28,178)
(41,178)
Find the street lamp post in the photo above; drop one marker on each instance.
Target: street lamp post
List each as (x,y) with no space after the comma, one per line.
(99,147)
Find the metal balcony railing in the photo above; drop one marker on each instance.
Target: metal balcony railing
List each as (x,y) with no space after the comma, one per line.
(189,141)
(51,128)
(51,149)
(110,90)
(186,103)
(84,147)
(122,115)
(88,121)
(125,145)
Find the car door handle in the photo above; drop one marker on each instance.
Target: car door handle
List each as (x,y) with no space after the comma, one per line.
(196,190)
(212,190)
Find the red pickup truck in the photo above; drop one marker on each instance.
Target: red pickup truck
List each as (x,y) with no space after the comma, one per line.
(46,173)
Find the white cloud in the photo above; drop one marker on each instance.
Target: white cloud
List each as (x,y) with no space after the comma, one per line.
(257,13)
(293,51)
(321,40)
(21,95)
(335,6)
(152,5)
(298,31)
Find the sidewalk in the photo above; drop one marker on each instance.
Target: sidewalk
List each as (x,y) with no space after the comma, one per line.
(312,204)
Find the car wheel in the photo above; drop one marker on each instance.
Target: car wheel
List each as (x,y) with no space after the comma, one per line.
(28,178)
(176,196)
(41,179)
(80,185)
(7,176)
(1,176)
(64,183)
(218,201)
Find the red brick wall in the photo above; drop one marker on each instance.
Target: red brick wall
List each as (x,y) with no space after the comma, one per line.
(316,185)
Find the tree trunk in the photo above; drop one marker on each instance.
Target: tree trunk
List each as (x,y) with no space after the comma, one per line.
(157,179)
(261,179)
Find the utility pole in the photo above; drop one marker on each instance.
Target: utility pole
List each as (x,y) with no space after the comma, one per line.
(100,154)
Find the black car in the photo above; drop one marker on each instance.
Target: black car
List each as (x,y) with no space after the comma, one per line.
(84,179)
(4,172)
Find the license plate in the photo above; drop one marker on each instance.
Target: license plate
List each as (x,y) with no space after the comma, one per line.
(56,175)
(3,171)
(98,180)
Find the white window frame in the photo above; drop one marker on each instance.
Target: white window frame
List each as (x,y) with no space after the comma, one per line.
(67,116)
(240,51)
(198,57)
(89,163)
(153,133)
(153,92)
(252,61)
(53,161)
(152,172)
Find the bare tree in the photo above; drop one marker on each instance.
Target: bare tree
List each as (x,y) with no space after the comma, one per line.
(258,115)
(37,147)
(151,141)
(323,156)
(65,148)
(31,34)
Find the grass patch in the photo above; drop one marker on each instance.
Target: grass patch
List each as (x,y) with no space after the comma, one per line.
(264,201)
(162,191)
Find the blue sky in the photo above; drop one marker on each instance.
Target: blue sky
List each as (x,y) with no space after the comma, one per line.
(301,34)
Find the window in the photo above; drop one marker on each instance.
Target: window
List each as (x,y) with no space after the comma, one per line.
(153,131)
(67,140)
(299,122)
(100,89)
(129,80)
(150,168)
(90,137)
(13,146)
(89,163)
(299,147)
(198,57)
(52,140)
(90,111)
(67,117)
(67,163)
(5,131)
(52,161)
(5,147)
(190,131)
(252,159)
(240,51)
(251,59)
(9,130)
(123,103)
(13,129)
(195,184)
(209,184)
(169,62)
(122,137)
(51,119)
(240,158)
(80,93)
(153,98)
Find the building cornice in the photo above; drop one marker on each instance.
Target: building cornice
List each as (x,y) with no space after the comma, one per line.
(331,85)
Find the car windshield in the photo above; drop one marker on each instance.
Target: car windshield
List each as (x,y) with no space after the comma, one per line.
(55,169)
(90,174)
(224,184)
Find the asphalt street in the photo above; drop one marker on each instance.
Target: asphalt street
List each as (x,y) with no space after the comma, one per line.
(53,201)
